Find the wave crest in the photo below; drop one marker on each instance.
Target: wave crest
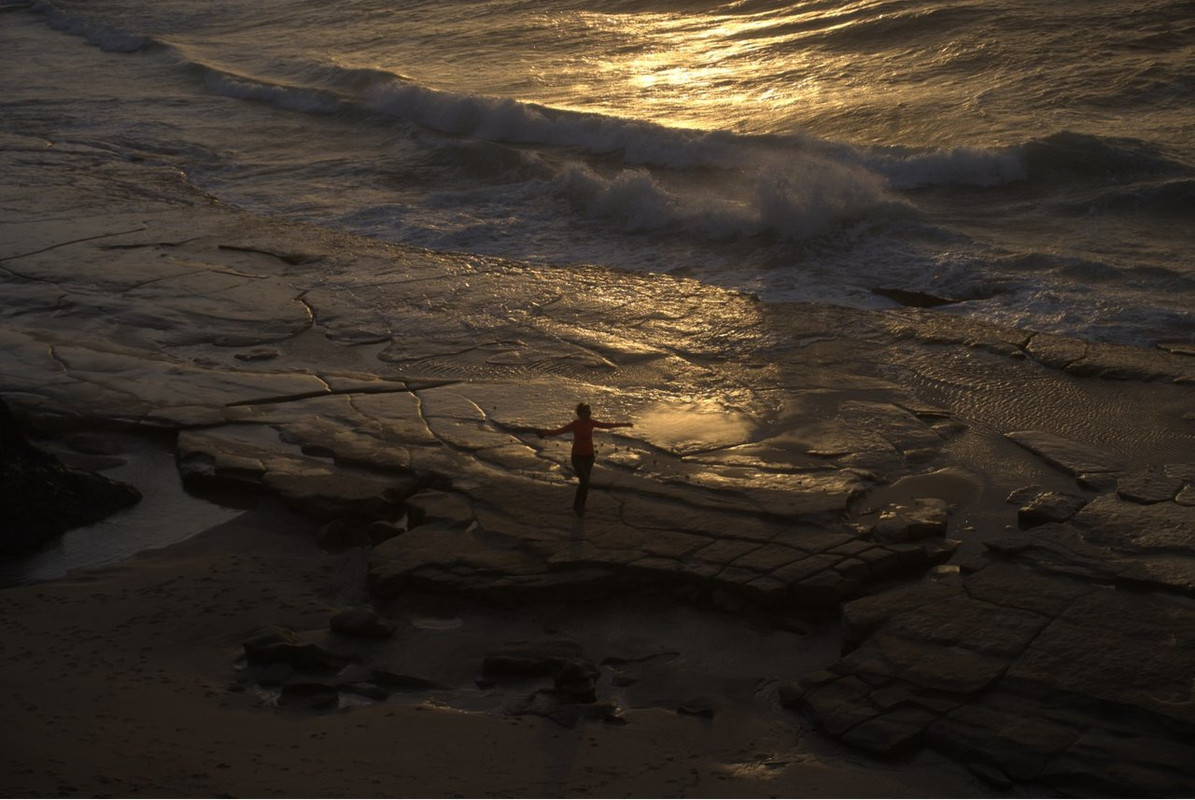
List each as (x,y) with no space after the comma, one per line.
(1070,155)
(796,201)
(960,166)
(308,101)
(97,34)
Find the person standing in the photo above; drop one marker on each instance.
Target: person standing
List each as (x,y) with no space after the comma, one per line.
(582,453)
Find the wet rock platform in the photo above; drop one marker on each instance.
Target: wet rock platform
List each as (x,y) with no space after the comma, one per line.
(785,458)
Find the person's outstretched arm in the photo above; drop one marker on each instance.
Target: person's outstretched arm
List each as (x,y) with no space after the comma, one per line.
(562,429)
(597,424)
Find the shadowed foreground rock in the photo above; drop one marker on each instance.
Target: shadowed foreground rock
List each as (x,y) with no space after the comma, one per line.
(1044,664)
(42,498)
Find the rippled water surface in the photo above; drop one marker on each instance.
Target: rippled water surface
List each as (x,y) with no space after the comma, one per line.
(1029,163)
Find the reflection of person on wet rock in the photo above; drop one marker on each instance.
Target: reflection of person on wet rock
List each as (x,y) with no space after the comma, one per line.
(583,458)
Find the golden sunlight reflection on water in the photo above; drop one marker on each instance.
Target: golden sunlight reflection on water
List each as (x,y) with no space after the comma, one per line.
(688,70)
(691,426)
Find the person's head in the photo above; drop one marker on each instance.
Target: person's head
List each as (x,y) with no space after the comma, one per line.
(583,410)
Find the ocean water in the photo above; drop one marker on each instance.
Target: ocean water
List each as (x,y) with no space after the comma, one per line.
(1031,162)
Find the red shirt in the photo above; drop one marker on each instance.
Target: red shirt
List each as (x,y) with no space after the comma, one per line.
(582,434)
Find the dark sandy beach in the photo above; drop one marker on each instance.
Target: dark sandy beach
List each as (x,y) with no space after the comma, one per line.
(841,553)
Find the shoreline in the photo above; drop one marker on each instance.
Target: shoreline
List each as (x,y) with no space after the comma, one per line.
(794,469)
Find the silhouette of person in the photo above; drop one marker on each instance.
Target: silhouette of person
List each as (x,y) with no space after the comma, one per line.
(582,455)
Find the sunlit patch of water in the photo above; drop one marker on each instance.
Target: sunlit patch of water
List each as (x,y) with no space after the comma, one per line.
(684,427)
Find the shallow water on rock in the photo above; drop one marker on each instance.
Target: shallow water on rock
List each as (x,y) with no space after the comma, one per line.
(694,426)
(166,514)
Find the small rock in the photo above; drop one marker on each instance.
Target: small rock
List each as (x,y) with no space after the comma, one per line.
(790,694)
(1184,472)
(925,518)
(275,674)
(532,658)
(259,354)
(361,621)
(989,774)
(605,711)
(899,732)
(401,681)
(310,694)
(279,645)
(567,714)
(338,534)
(1019,497)
(698,707)
(621,680)
(261,640)
(577,681)
(382,530)
(1049,507)
(1151,486)
(450,507)
(364,689)
(1098,481)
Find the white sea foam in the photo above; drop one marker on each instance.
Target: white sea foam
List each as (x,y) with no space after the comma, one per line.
(309,101)
(961,166)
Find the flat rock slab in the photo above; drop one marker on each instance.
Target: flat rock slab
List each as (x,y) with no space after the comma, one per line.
(538,555)
(1040,507)
(1022,691)
(1133,528)
(1031,666)
(1156,485)
(1074,457)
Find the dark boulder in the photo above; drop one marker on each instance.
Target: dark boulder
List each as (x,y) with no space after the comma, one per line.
(703,707)
(370,691)
(400,681)
(279,645)
(526,659)
(361,621)
(574,679)
(43,498)
(308,694)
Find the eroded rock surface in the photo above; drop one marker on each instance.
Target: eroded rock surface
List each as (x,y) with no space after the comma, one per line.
(395,394)
(1042,664)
